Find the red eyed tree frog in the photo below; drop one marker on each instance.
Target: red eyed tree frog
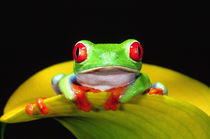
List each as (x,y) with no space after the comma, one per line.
(104,67)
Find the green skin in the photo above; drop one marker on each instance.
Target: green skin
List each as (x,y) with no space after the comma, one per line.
(102,55)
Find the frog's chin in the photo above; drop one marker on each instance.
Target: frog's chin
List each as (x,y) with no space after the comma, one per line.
(104,78)
(108,68)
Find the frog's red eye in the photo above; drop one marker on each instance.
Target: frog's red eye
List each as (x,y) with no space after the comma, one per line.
(80,52)
(136,51)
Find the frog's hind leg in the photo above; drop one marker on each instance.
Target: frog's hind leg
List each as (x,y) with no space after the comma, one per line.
(55,81)
(159,89)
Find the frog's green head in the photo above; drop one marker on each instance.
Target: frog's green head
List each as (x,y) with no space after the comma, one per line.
(90,57)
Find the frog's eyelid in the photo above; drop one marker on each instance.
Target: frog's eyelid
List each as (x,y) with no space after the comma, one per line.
(128,42)
(85,42)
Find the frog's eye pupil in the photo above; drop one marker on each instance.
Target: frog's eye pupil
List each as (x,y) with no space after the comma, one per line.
(139,51)
(77,52)
(80,52)
(136,51)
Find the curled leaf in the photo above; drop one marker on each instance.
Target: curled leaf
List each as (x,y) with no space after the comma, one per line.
(151,117)
(141,117)
(181,86)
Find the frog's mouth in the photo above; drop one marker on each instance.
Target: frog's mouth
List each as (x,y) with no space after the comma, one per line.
(108,68)
(104,78)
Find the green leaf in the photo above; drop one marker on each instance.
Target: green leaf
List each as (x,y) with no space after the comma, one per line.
(150,117)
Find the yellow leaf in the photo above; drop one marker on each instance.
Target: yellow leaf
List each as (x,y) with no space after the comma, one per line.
(142,117)
(181,86)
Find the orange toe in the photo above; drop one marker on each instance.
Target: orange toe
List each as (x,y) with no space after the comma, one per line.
(29,109)
(42,107)
(156,91)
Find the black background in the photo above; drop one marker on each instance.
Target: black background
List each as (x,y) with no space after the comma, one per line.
(42,33)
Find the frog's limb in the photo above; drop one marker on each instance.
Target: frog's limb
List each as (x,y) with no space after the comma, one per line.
(74,92)
(39,102)
(160,86)
(65,86)
(81,99)
(141,84)
(112,102)
(55,81)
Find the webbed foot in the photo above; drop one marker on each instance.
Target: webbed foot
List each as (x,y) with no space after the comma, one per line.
(81,99)
(40,104)
(112,102)
(82,103)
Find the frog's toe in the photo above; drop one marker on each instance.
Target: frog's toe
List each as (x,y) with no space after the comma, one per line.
(42,107)
(29,109)
(155,91)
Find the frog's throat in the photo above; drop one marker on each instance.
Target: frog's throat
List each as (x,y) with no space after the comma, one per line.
(110,68)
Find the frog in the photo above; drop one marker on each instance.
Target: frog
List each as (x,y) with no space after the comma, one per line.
(109,67)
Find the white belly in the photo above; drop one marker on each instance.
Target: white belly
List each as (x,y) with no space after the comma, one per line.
(104,79)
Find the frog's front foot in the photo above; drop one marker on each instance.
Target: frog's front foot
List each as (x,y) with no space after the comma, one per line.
(40,104)
(81,99)
(112,102)
(82,102)
(158,88)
